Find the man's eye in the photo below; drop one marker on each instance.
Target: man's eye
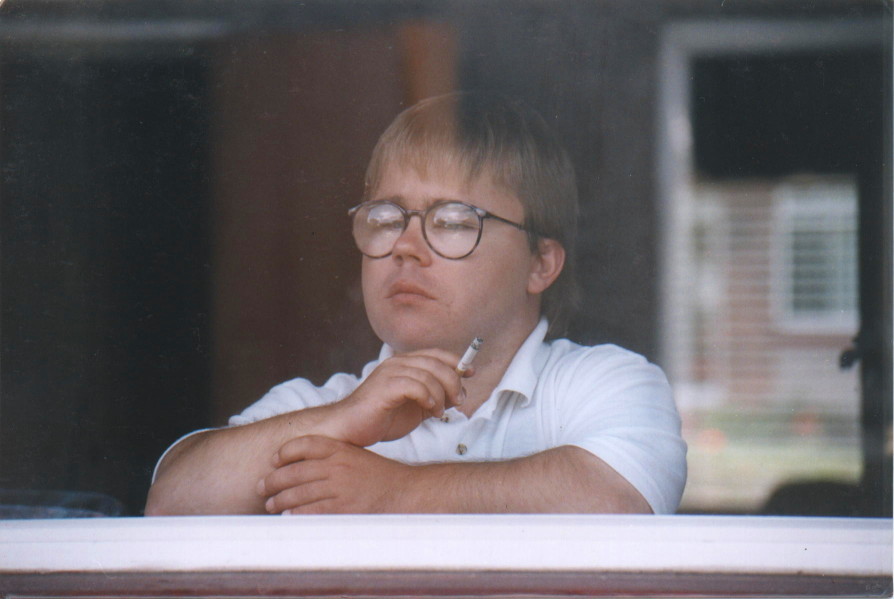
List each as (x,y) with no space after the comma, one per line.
(385,219)
(455,219)
(386,223)
(454,225)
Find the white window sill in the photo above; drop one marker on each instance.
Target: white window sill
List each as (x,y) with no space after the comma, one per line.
(576,551)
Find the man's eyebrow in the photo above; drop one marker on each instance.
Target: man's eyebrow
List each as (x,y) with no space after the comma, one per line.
(402,200)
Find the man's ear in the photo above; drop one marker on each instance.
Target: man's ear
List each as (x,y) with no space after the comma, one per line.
(546,265)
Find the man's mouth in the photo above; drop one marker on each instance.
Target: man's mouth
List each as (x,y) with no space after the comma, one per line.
(405,289)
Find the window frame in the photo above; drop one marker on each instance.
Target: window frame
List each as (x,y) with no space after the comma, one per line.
(431,555)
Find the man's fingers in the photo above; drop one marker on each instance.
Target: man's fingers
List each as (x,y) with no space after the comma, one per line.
(419,386)
(403,384)
(438,375)
(297,466)
(311,447)
(294,498)
(290,475)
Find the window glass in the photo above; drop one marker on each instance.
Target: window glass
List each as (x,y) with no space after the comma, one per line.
(176,178)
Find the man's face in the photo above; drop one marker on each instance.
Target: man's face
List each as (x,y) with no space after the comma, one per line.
(415,299)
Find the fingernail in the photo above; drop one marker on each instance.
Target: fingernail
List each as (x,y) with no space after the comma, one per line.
(261,487)
(461,397)
(269,505)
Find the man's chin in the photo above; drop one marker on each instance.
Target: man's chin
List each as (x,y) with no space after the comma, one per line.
(409,339)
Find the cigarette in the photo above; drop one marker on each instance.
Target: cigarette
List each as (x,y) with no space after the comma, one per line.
(466,361)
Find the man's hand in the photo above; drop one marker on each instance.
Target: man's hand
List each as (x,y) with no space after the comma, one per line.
(396,397)
(215,471)
(318,475)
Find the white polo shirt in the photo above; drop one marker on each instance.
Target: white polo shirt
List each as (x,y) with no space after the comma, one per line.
(604,399)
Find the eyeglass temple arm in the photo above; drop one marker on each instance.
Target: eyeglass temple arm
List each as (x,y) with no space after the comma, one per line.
(486,214)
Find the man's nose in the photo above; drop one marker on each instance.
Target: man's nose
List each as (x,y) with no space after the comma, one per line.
(411,244)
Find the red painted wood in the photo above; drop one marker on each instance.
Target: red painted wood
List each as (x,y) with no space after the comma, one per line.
(436,584)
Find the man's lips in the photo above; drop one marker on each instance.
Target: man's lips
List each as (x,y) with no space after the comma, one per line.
(402,288)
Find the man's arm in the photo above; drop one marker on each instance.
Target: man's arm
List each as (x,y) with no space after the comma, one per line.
(217,471)
(320,475)
(210,472)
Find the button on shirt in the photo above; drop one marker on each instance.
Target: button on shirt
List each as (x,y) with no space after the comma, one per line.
(604,399)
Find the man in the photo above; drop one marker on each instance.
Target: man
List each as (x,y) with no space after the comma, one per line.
(467,230)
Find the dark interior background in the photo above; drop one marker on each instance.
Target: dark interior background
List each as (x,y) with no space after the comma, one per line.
(174,179)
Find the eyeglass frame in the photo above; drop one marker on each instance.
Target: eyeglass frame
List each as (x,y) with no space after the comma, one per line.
(481,213)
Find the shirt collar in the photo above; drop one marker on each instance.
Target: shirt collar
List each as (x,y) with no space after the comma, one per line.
(386,352)
(523,372)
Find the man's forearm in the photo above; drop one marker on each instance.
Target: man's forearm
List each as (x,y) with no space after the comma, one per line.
(563,479)
(216,471)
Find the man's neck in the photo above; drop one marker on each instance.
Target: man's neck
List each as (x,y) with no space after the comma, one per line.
(490,366)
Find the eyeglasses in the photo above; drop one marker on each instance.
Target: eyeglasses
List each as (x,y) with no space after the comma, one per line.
(452,229)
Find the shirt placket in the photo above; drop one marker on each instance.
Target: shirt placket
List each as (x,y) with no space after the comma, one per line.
(470,443)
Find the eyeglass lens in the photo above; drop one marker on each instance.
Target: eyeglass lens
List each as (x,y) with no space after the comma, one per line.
(451,229)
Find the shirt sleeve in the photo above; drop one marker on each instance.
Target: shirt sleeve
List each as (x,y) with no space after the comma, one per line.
(290,396)
(297,394)
(173,445)
(620,407)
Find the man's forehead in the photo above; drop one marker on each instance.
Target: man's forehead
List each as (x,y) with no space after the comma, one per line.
(447,179)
